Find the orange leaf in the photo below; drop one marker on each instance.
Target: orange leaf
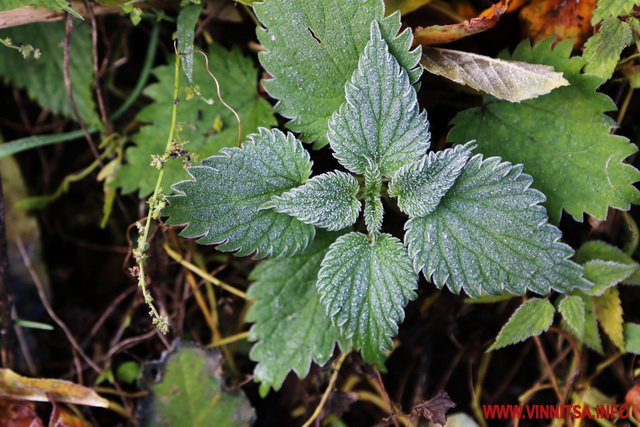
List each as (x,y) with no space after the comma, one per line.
(17,387)
(633,400)
(559,19)
(440,34)
(18,414)
(62,417)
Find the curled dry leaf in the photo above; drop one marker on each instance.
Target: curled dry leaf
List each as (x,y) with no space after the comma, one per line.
(63,417)
(435,409)
(559,19)
(17,387)
(18,414)
(512,81)
(441,34)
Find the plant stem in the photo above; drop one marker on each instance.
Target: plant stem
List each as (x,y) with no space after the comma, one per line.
(203,274)
(161,322)
(332,382)
(229,340)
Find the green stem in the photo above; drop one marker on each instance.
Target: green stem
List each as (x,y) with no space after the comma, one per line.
(144,74)
(160,321)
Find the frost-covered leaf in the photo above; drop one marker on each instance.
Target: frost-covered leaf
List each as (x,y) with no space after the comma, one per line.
(373,209)
(187,20)
(364,287)
(313,48)
(572,309)
(291,328)
(328,201)
(513,81)
(380,124)
(532,318)
(608,309)
(632,337)
(597,250)
(43,78)
(612,9)
(221,203)
(420,186)
(606,274)
(191,393)
(489,234)
(563,138)
(602,50)
(198,120)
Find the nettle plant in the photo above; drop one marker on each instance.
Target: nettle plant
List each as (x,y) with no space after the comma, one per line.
(474,223)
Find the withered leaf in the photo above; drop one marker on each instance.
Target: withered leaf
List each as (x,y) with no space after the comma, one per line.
(441,34)
(18,414)
(512,81)
(63,417)
(17,387)
(435,409)
(559,19)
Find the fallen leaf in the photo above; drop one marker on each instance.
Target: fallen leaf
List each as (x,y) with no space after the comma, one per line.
(560,19)
(18,414)
(17,387)
(513,81)
(435,409)
(62,417)
(440,34)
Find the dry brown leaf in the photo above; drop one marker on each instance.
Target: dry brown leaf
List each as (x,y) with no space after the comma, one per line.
(62,417)
(512,81)
(560,19)
(18,414)
(435,409)
(441,34)
(17,387)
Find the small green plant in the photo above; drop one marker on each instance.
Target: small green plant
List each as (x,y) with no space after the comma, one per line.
(474,223)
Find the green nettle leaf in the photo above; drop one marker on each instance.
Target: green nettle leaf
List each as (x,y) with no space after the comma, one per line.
(608,309)
(532,318)
(291,328)
(572,309)
(380,124)
(313,47)
(597,250)
(364,287)
(632,337)
(489,234)
(328,201)
(509,80)
(602,50)
(192,393)
(43,78)
(612,9)
(187,20)
(606,274)
(199,118)
(221,204)
(420,186)
(373,209)
(562,138)
(591,333)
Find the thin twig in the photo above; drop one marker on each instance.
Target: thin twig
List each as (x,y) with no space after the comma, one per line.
(5,300)
(547,365)
(203,274)
(49,309)
(130,342)
(325,396)
(68,29)
(94,48)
